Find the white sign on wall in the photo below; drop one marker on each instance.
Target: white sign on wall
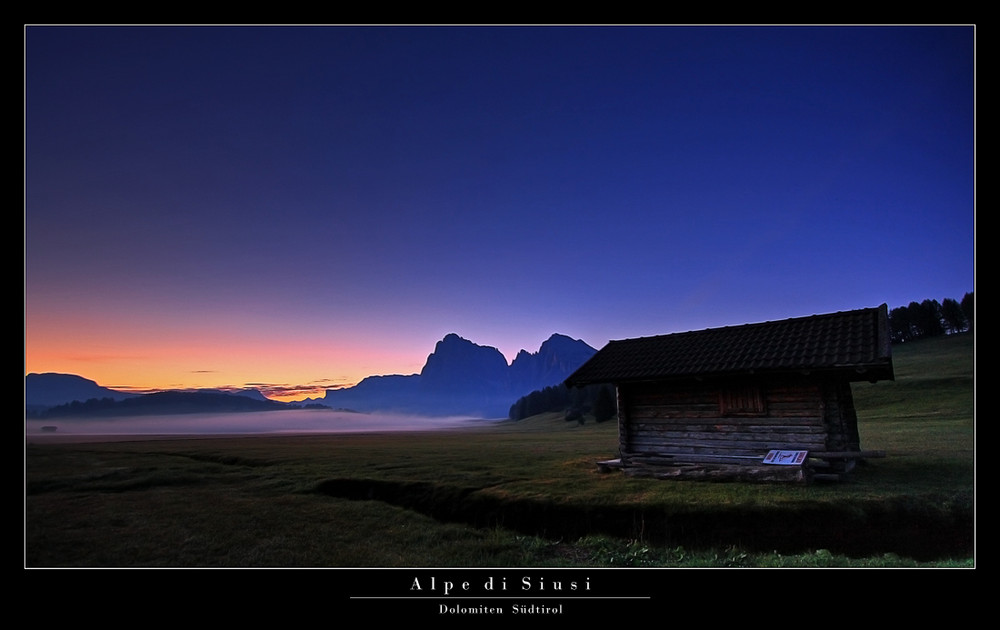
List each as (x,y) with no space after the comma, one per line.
(786,458)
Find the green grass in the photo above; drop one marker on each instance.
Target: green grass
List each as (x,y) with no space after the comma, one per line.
(522,494)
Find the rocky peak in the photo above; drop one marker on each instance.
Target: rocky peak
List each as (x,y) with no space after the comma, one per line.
(456,360)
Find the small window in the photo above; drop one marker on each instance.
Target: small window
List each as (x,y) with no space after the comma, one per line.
(745,400)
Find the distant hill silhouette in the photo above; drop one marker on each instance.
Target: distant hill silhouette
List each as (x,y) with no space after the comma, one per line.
(253,394)
(464,378)
(51,395)
(50,389)
(163,403)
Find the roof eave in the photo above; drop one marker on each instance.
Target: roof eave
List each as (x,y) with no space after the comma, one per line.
(854,372)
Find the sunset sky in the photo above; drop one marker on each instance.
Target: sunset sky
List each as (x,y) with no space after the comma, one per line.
(287,207)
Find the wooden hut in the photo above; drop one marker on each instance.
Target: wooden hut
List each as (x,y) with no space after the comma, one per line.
(765,401)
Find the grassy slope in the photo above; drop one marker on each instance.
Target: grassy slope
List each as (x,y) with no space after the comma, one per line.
(460,498)
(925,419)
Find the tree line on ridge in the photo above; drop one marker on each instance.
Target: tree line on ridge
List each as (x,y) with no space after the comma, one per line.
(597,400)
(931,318)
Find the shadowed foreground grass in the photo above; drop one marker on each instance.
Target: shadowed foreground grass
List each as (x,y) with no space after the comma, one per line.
(523,494)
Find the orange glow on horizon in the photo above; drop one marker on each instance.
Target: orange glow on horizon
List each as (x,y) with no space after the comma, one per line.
(287,370)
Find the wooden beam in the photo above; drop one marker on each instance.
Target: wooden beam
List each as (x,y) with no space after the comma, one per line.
(847,454)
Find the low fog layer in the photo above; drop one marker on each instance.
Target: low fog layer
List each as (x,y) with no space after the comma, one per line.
(291,421)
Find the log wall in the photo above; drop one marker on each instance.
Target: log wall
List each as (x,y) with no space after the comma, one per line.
(700,423)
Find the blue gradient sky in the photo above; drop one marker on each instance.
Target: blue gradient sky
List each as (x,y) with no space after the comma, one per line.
(305,206)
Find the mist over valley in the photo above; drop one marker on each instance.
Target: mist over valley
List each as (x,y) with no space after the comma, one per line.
(264,422)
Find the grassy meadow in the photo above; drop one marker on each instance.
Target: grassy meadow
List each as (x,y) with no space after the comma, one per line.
(511,494)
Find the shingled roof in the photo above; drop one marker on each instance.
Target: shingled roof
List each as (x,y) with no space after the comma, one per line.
(853,344)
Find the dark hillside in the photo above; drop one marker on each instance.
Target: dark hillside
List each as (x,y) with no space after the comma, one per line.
(171,402)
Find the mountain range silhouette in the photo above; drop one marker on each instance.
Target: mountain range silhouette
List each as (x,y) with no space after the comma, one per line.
(459,378)
(463,378)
